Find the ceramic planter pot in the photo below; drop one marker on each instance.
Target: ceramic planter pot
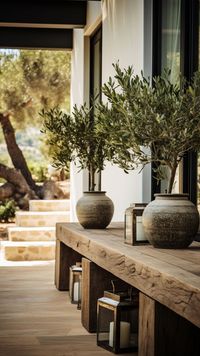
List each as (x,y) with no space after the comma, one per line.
(94,210)
(171,221)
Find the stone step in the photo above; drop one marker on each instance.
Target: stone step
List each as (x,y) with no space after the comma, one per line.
(19,233)
(41,218)
(28,251)
(49,205)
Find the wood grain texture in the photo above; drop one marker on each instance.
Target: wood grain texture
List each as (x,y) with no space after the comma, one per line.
(146,336)
(163,275)
(38,320)
(174,335)
(65,258)
(95,280)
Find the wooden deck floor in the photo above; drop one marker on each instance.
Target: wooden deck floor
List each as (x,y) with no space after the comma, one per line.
(36,319)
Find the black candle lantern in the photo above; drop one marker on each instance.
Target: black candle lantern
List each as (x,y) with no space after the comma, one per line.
(133,228)
(117,322)
(79,292)
(75,273)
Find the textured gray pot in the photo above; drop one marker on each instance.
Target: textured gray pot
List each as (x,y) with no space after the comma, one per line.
(170,221)
(94,210)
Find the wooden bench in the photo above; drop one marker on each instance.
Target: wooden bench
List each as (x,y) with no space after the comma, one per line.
(168,282)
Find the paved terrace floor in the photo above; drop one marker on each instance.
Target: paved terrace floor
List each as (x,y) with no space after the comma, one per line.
(36,319)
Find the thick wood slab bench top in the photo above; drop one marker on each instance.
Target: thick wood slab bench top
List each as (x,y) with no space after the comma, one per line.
(171,277)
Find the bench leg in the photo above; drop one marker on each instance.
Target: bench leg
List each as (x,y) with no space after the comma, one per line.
(65,257)
(163,332)
(146,336)
(95,281)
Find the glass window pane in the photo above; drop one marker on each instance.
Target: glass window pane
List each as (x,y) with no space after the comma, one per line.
(170,57)
(97,74)
(170,40)
(198,161)
(198,182)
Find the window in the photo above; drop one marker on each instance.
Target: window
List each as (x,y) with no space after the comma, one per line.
(198,160)
(170,52)
(96,65)
(170,37)
(96,76)
(174,29)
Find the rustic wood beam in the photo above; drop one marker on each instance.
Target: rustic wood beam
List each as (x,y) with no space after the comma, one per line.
(95,280)
(146,341)
(170,277)
(66,257)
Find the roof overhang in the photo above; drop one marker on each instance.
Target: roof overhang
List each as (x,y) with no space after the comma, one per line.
(40,23)
(40,38)
(45,13)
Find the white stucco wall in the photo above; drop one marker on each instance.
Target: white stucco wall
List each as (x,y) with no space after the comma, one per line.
(77,97)
(122,35)
(94,15)
(122,40)
(79,87)
(122,29)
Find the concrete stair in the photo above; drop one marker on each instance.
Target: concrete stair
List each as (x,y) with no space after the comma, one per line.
(33,237)
(49,205)
(28,251)
(41,218)
(19,233)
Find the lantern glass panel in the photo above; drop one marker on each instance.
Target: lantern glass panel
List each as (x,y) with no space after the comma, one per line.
(133,228)
(129,226)
(106,317)
(79,292)
(140,236)
(129,328)
(117,324)
(74,284)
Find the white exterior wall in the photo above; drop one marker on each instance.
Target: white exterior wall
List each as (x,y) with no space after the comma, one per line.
(122,35)
(79,89)
(77,97)
(122,39)
(94,15)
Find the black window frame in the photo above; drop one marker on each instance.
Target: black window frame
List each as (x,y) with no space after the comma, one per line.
(96,37)
(189,64)
(189,47)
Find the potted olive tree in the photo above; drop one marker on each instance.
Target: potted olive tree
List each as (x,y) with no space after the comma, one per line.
(157,122)
(75,138)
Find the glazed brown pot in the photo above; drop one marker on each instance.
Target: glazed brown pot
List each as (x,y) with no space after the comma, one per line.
(94,210)
(171,221)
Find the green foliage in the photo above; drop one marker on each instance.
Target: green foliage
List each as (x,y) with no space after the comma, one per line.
(75,138)
(38,171)
(145,123)
(47,73)
(7,211)
(31,80)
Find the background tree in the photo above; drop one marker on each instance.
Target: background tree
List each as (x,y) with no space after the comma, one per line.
(29,81)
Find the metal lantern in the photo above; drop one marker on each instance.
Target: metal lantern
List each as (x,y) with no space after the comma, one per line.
(117,322)
(75,273)
(133,229)
(79,292)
